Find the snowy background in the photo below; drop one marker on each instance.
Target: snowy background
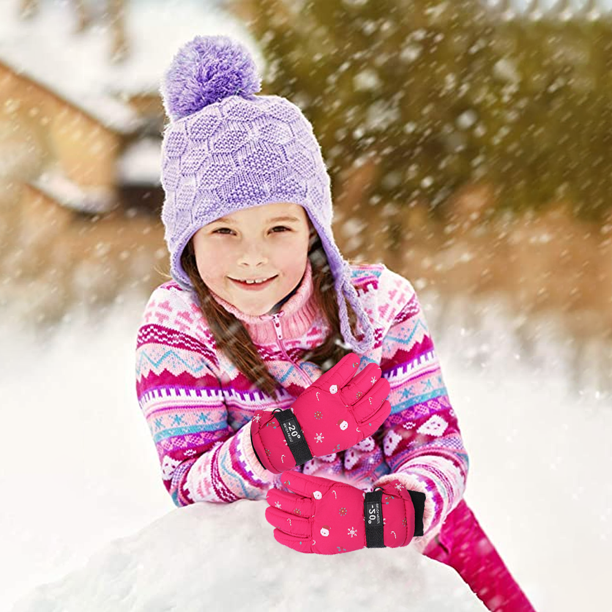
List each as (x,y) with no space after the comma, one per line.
(82,478)
(86,523)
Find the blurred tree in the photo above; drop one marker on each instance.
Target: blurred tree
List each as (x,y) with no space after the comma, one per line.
(557,102)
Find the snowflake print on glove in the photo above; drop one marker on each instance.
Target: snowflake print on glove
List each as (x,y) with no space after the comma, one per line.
(331,517)
(339,410)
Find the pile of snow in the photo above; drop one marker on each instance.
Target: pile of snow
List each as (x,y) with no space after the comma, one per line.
(224,557)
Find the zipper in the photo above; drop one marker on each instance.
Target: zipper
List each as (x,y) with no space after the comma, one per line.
(279,338)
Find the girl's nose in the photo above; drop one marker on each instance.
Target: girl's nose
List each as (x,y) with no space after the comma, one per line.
(253,255)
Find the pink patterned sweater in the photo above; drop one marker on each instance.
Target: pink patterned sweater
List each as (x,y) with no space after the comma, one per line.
(198,406)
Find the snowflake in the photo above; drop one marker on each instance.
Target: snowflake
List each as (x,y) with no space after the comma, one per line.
(352,532)
(319,437)
(257,417)
(373,380)
(277,504)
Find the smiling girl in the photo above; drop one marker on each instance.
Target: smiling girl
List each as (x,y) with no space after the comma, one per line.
(259,253)
(265,328)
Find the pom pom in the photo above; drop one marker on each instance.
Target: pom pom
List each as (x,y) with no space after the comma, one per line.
(206,70)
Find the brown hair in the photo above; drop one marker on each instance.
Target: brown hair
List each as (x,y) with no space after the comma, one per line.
(233,339)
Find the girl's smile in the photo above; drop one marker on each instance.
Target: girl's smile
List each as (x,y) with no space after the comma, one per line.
(254,286)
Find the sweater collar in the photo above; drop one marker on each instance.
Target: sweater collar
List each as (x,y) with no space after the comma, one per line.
(295,313)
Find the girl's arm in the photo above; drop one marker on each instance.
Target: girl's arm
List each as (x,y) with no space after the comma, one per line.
(201,457)
(421,440)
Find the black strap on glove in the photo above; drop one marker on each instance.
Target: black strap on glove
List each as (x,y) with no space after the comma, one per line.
(294,435)
(372,507)
(418,501)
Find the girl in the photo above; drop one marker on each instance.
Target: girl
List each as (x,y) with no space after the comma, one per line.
(262,303)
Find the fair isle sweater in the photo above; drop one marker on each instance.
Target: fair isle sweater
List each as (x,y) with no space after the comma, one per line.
(198,406)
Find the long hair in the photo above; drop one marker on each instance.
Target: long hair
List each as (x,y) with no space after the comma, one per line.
(233,339)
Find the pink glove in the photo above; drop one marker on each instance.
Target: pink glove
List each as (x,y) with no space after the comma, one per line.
(329,517)
(336,412)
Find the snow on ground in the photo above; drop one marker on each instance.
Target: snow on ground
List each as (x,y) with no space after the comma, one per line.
(81,477)
(217,557)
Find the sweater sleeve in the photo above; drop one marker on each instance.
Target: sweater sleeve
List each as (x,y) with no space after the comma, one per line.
(201,457)
(421,439)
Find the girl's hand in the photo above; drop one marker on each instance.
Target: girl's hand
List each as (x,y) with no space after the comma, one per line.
(329,517)
(336,412)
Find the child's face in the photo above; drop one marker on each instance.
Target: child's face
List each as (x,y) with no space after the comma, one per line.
(250,244)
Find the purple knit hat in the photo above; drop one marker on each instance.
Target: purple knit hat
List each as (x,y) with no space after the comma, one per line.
(227,149)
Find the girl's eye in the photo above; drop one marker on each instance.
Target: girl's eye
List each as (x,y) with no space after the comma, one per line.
(274,228)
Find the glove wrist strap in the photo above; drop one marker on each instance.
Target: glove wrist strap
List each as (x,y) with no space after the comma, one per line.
(374,527)
(418,501)
(296,442)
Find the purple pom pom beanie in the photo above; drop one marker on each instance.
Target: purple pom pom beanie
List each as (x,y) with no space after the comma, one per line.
(226,149)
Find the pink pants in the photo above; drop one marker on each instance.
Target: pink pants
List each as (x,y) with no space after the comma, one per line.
(464,546)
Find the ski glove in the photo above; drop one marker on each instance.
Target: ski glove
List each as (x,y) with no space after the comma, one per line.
(336,412)
(328,517)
